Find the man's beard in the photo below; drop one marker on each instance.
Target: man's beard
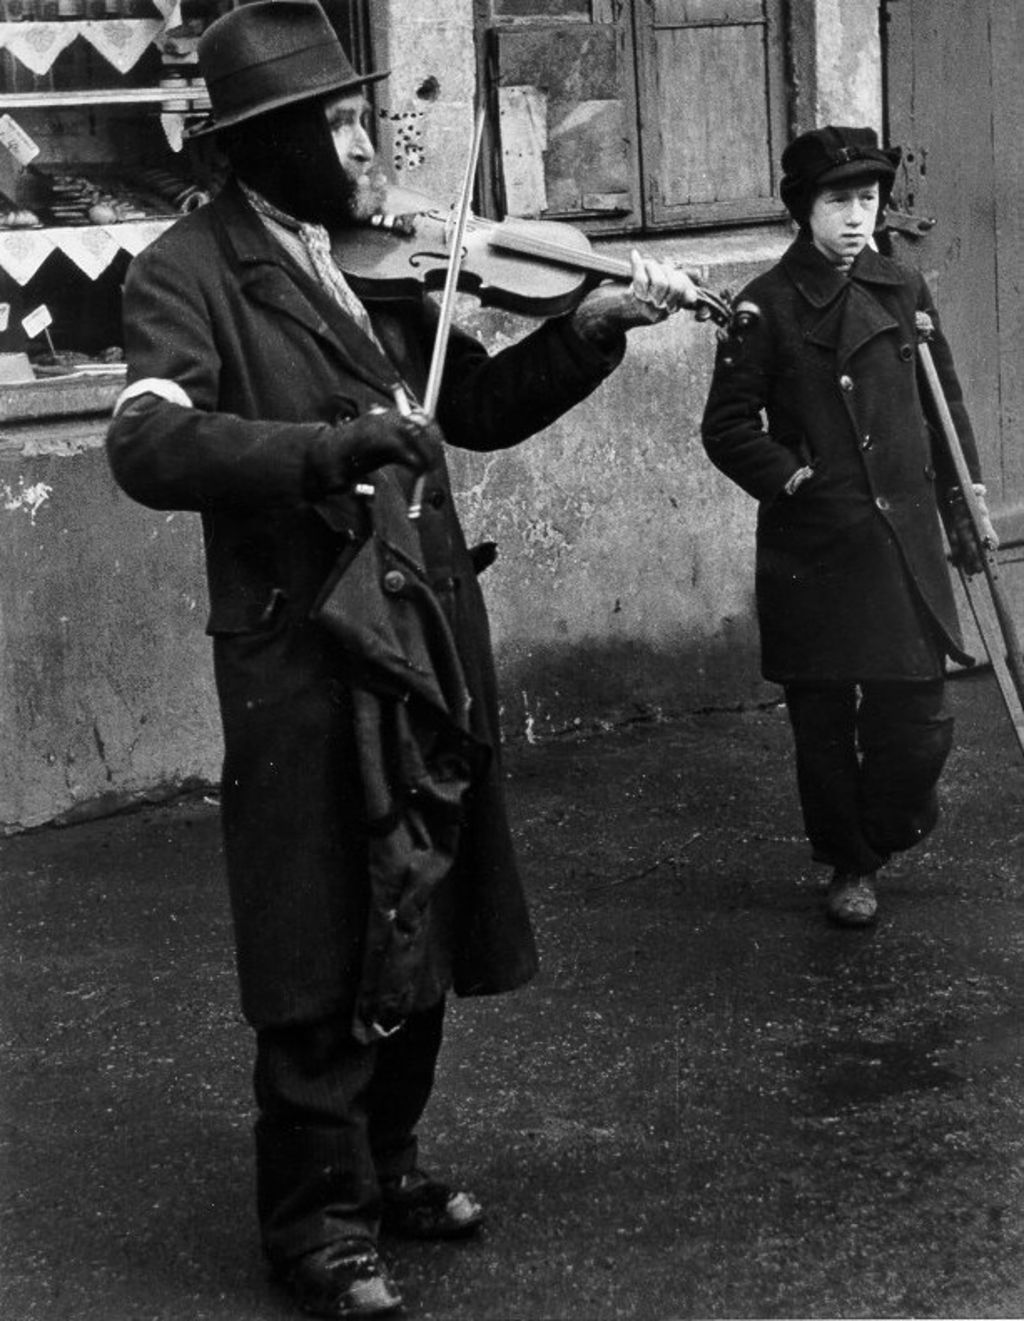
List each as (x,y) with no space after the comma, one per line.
(289,157)
(361,198)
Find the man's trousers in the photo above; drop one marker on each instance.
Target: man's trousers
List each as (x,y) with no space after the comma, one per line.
(336,1117)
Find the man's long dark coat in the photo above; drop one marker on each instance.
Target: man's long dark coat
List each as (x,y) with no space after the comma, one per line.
(268,363)
(852,580)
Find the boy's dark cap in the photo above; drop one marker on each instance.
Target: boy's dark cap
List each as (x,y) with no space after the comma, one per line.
(265,54)
(829,155)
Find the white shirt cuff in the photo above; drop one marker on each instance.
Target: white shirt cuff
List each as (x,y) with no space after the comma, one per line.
(169,390)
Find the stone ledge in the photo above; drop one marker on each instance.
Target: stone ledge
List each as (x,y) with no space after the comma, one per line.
(29,438)
(707,250)
(60,397)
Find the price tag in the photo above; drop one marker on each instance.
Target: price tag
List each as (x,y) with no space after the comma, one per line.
(17,141)
(5,316)
(37,321)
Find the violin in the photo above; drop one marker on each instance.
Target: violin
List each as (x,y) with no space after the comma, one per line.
(536,268)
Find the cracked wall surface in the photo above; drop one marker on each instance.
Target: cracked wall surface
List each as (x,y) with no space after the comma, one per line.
(623,586)
(106,685)
(624,579)
(624,583)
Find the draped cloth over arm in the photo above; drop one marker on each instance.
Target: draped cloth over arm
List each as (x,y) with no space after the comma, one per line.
(416,754)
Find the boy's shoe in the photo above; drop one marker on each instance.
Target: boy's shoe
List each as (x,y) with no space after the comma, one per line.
(851,900)
(344,1279)
(418,1206)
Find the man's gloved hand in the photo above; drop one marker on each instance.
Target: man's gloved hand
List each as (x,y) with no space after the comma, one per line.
(342,455)
(656,291)
(965,552)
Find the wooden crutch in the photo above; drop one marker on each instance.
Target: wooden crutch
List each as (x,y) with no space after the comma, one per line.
(992,616)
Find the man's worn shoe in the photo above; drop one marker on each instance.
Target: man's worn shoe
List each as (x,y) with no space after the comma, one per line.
(851,900)
(417,1206)
(345,1279)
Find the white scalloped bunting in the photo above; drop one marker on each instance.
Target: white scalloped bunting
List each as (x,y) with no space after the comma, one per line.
(122,41)
(134,235)
(22,252)
(173,125)
(90,247)
(37,45)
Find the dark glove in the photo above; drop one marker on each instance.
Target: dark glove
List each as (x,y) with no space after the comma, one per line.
(340,456)
(965,552)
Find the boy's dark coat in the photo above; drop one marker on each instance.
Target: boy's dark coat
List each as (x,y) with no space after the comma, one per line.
(852,578)
(268,362)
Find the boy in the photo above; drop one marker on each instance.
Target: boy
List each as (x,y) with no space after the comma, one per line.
(855,606)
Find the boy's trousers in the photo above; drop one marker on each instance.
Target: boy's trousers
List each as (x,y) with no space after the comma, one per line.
(868,760)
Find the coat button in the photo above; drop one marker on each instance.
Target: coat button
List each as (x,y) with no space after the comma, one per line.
(865,443)
(436,499)
(343,409)
(906,352)
(846,383)
(882,503)
(394,581)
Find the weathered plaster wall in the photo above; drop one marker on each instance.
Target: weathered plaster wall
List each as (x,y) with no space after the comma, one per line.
(849,62)
(623,587)
(427,101)
(106,693)
(624,578)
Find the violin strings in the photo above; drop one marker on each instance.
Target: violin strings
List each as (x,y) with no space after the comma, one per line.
(506,237)
(531,245)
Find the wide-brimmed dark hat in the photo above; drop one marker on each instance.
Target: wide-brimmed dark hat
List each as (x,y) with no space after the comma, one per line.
(829,155)
(270,53)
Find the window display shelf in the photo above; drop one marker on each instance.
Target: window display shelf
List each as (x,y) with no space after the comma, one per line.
(95,164)
(196,96)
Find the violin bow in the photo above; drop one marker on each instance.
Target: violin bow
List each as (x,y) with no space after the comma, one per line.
(447,308)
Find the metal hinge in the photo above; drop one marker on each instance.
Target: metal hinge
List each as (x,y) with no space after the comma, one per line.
(911,227)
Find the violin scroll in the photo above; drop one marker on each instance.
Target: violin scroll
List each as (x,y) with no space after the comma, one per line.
(733,320)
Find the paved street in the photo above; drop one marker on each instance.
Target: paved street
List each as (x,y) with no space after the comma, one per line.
(710,1103)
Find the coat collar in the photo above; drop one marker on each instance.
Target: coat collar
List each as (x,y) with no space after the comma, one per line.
(271,278)
(819,281)
(851,312)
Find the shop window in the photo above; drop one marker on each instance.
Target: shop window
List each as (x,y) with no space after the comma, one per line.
(634,114)
(96,99)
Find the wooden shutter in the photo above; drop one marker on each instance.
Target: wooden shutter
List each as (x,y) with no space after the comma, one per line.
(712,105)
(561,88)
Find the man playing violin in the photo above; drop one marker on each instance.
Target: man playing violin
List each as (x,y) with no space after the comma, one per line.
(369,859)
